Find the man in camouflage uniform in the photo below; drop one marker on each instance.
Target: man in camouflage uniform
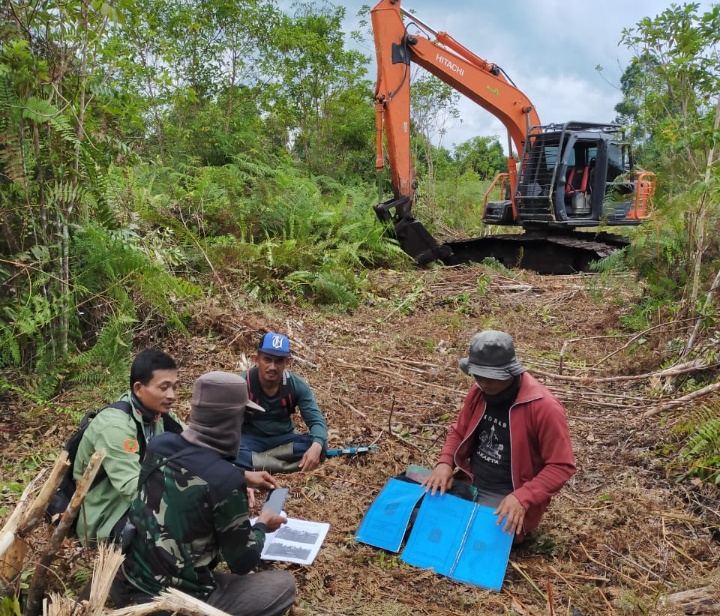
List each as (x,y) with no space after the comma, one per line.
(192,511)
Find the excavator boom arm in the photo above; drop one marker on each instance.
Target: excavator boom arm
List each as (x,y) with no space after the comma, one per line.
(449,61)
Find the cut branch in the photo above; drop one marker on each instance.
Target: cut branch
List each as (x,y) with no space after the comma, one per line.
(173,601)
(39,580)
(691,366)
(36,512)
(12,548)
(671,404)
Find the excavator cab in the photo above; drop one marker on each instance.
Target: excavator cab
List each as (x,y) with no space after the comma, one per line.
(576,175)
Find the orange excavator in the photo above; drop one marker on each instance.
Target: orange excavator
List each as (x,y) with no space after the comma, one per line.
(569,176)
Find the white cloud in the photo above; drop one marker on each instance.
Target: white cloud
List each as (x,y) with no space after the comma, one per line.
(549,48)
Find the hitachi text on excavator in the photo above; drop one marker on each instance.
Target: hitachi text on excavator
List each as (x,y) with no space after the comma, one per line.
(569,176)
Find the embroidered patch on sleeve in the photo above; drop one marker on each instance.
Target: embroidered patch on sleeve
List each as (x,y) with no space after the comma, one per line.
(131,445)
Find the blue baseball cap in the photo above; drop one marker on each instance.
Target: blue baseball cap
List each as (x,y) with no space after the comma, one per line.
(274,344)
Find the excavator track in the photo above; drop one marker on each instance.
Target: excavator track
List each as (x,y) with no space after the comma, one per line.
(556,253)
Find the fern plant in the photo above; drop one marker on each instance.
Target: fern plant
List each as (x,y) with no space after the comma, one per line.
(700,456)
(327,287)
(56,149)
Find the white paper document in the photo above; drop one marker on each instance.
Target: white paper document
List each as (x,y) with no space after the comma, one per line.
(298,541)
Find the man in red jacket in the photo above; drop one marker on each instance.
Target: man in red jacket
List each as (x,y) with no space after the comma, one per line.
(510,441)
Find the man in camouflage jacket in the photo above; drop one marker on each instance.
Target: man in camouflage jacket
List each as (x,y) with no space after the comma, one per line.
(192,511)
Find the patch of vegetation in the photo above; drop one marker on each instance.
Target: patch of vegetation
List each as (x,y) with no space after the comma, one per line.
(699,454)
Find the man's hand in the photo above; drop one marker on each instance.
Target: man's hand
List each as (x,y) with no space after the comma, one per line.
(260,479)
(272,520)
(311,460)
(515,512)
(441,479)
(251,497)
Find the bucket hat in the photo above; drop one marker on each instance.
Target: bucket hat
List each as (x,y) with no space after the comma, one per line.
(221,392)
(491,356)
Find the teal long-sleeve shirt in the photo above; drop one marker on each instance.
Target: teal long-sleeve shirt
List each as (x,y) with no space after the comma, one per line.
(275,420)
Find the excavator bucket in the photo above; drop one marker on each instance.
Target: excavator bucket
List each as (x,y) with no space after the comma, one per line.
(413,237)
(416,240)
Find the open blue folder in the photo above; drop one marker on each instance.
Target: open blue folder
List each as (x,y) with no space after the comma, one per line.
(461,540)
(454,537)
(386,521)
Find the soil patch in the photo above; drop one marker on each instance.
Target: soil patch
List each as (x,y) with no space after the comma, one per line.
(618,539)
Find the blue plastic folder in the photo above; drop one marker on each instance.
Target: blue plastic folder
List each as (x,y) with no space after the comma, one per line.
(459,539)
(454,537)
(386,521)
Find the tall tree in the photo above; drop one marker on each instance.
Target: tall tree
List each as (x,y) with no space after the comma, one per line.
(481,155)
(53,88)
(66,268)
(434,105)
(319,91)
(672,88)
(197,67)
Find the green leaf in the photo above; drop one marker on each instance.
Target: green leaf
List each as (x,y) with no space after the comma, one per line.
(39,110)
(10,606)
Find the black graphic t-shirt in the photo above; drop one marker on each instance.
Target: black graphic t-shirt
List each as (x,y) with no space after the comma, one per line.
(490,462)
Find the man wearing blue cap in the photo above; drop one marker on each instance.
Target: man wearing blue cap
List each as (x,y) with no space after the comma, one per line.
(269,440)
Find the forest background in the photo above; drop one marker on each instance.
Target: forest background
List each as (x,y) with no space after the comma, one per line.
(154,154)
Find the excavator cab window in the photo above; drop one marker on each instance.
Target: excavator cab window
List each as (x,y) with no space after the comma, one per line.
(618,187)
(617,164)
(550,156)
(578,182)
(542,161)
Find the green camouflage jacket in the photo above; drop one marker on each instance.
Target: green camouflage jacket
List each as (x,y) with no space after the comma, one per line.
(191,512)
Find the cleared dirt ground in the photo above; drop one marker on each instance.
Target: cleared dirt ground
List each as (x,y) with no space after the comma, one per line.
(620,537)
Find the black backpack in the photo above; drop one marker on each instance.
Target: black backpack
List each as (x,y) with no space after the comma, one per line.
(287,394)
(61,499)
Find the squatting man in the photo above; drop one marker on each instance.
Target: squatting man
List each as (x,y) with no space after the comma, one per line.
(510,443)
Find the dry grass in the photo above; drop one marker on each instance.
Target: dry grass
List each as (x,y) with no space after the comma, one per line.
(618,538)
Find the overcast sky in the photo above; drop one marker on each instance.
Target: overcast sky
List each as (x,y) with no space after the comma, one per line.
(549,48)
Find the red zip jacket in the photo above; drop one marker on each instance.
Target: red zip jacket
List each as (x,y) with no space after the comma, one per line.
(541,455)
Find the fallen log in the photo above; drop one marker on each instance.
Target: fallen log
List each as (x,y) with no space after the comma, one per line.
(705,600)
